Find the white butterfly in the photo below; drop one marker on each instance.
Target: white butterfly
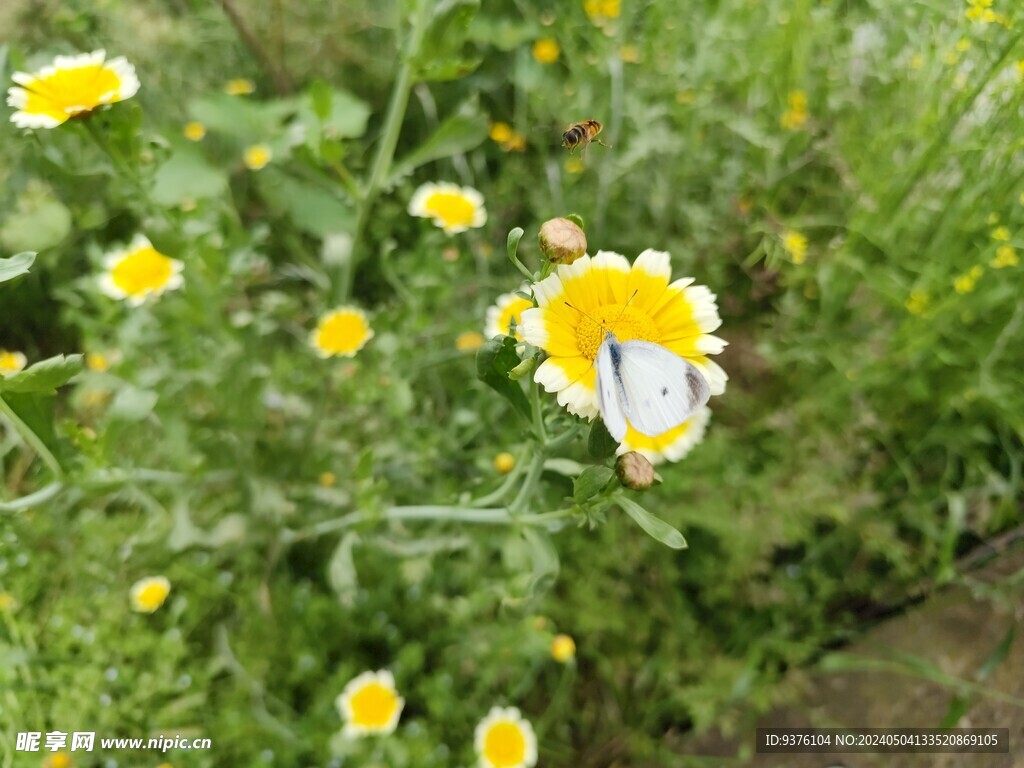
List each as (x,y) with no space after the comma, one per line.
(647,385)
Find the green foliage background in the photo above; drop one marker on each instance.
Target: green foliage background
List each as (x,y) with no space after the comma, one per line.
(863,444)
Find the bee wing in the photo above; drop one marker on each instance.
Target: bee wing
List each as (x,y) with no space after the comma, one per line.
(610,390)
(660,389)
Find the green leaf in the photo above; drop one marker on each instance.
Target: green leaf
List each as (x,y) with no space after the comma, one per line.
(512,243)
(590,483)
(448,69)
(44,377)
(341,570)
(39,220)
(600,443)
(442,53)
(311,208)
(653,526)
(187,175)
(36,411)
(501,32)
(16,265)
(493,362)
(459,133)
(545,560)
(132,404)
(247,120)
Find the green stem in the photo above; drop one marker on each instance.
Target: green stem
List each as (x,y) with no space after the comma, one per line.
(342,283)
(32,439)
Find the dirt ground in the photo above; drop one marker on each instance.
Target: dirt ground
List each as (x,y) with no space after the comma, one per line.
(957,632)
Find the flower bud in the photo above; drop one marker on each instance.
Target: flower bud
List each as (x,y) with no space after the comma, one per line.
(562,241)
(635,471)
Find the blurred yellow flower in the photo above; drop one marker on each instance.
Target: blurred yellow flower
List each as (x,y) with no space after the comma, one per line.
(369,704)
(504,739)
(966,282)
(505,312)
(917,302)
(963,44)
(546,50)
(1006,256)
(916,61)
(327,479)
(574,165)
(504,462)
(58,760)
(600,11)
(71,86)
(139,272)
(500,132)
(257,156)
(239,87)
(194,131)
(1001,234)
(509,139)
(629,54)
(563,649)
(341,332)
(11,362)
(795,245)
(795,117)
(469,341)
(452,208)
(147,595)
(686,96)
(7,601)
(97,362)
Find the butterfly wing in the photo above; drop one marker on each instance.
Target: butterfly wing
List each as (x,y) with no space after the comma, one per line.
(609,388)
(660,389)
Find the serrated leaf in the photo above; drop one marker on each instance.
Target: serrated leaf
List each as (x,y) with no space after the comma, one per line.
(655,527)
(591,482)
(494,360)
(459,133)
(43,377)
(16,265)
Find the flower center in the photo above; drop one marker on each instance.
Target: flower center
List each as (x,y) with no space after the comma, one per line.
(142,272)
(505,745)
(153,596)
(73,91)
(373,705)
(625,322)
(452,209)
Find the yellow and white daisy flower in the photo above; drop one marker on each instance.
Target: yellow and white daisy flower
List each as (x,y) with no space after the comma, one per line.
(504,739)
(451,207)
(71,86)
(370,704)
(11,362)
(139,272)
(341,332)
(672,445)
(147,595)
(505,312)
(581,300)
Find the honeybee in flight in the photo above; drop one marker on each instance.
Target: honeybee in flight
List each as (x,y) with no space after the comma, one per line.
(582,133)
